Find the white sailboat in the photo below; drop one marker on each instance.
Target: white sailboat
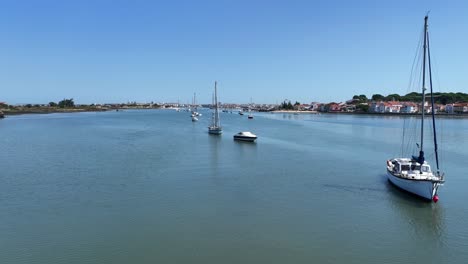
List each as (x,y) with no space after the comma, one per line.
(215,127)
(414,174)
(250,116)
(194,109)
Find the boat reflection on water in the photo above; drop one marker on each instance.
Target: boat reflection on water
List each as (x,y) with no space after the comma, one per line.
(425,219)
(214,145)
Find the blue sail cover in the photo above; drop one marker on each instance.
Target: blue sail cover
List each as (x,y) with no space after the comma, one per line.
(419,159)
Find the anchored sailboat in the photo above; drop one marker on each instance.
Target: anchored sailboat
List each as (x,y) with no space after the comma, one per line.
(414,174)
(215,127)
(194,109)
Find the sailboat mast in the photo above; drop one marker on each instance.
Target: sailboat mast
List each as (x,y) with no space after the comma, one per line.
(421,150)
(432,104)
(216,106)
(195,101)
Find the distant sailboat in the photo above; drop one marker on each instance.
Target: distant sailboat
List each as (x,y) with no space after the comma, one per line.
(250,116)
(215,127)
(414,174)
(194,109)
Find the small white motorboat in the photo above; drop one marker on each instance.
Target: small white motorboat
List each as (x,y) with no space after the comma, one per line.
(245,136)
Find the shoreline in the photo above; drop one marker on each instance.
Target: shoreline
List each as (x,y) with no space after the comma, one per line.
(49,111)
(445,115)
(397,114)
(43,111)
(8,112)
(293,112)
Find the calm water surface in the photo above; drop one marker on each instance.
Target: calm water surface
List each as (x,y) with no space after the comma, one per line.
(153,187)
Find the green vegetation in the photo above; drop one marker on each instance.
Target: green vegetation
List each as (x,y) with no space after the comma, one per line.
(362,108)
(439,98)
(286,105)
(378,97)
(66,103)
(360,98)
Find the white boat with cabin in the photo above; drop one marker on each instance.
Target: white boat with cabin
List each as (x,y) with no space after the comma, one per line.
(245,136)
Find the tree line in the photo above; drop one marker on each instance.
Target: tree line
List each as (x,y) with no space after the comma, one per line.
(439,98)
(65,103)
(286,105)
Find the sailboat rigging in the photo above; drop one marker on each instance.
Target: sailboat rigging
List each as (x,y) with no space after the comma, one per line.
(414,174)
(215,127)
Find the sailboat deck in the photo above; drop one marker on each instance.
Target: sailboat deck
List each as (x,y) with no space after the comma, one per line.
(412,170)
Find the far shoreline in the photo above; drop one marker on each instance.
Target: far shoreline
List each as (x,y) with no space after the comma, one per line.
(445,115)
(50,111)
(83,110)
(294,112)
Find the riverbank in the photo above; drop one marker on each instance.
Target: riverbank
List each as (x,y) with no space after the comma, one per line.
(7,112)
(398,114)
(445,115)
(294,112)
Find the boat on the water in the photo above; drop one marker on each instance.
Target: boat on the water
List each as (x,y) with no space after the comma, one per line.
(241,112)
(245,136)
(2,115)
(414,174)
(194,113)
(250,116)
(215,127)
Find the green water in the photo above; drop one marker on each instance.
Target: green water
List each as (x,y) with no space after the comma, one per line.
(153,187)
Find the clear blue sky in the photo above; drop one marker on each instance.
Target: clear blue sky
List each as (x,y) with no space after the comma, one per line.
(118,51)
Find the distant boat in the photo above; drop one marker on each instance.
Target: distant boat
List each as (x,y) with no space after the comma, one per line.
(241,112)
(194,108)
(2,115)
(250,116)
(414,174)
(245,136)
(215,127)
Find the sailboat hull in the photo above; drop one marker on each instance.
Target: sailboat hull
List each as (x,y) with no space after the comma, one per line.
(215,131)
(421,188)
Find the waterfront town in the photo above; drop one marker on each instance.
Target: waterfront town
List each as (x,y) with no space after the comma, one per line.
(451,103)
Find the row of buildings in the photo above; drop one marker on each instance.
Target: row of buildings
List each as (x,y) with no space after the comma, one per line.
(384,107)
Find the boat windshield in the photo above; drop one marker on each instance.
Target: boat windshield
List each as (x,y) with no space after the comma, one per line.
(405,167)
(415,167)
(425,169)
